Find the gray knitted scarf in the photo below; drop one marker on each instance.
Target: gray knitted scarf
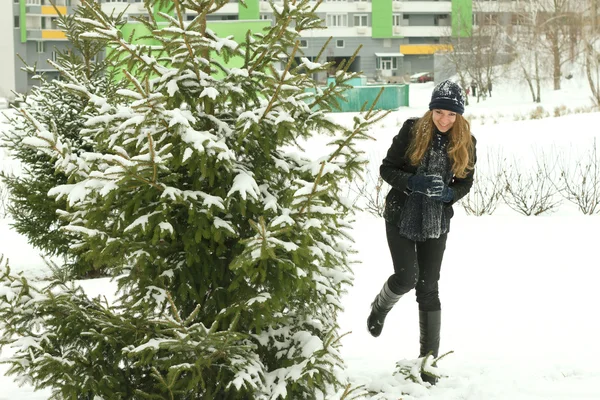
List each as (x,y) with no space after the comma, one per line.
(423,218)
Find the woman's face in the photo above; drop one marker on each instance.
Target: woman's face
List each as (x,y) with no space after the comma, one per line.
(443,119)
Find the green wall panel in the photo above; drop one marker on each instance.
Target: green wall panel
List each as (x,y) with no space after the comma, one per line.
(237,29)
(23,20)
(381,18)
(249,11)
(158,9)
(462,18)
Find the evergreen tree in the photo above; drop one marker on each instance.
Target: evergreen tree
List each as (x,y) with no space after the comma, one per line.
(230,242)
(35,214)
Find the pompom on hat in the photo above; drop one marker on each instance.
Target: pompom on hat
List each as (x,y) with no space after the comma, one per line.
(448,95)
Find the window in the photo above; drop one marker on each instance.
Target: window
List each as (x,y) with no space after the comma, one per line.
(396,19)
(387,63)
(303,44)
(490,19)
(17,21)
(54,56)
(335,20)
(41,48)
(440,19)
(361,20)
(518,19)
(340,44)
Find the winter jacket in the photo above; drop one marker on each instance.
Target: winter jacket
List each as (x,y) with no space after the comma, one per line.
(396,169)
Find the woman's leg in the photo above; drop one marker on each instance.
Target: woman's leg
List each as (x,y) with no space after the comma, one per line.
(405,275)
(404,258)
(430,254)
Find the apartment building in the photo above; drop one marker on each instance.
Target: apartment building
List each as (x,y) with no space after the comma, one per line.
(30,32)
(398,37)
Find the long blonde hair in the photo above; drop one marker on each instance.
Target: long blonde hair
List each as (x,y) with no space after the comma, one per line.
(460,148)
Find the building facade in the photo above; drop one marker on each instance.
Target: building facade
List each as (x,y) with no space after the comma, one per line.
(34,37)
(398,38)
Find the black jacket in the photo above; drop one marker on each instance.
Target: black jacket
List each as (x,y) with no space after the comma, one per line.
(396,169)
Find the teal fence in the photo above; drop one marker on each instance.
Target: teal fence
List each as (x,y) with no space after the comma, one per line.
(393,96)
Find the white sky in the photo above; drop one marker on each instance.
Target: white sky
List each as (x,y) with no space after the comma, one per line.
(519,294)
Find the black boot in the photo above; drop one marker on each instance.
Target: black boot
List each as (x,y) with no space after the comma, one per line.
(429,324)
(380,307)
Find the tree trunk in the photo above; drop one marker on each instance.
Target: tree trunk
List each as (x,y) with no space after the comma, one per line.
(537,99)
(556,59)
(529,82)
(589,57)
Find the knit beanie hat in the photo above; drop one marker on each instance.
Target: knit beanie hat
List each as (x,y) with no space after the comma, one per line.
(448,96)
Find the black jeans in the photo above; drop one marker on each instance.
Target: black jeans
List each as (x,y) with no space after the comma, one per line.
(416,265)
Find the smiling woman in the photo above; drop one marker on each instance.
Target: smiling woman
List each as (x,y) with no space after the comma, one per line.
(429,166)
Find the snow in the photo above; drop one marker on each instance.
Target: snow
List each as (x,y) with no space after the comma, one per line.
(519,294)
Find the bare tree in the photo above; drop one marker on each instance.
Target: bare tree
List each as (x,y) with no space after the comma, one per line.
(558,27)
(474,56)
(591,43)
(526,37)
(580,180)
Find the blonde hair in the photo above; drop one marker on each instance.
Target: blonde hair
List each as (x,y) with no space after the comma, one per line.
(460,148)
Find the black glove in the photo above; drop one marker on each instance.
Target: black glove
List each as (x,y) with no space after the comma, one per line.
(432,186)
(423,184)
(440,191)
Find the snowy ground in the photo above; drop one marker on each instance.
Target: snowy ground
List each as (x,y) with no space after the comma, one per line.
(519,293)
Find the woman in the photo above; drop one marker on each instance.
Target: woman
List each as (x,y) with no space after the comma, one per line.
(429,166)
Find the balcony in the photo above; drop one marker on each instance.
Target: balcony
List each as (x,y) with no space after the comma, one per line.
(50,10)
(423,31)
(422,49)
(233,8)
(46,34)
(363,6)
(363,31)
(423,7)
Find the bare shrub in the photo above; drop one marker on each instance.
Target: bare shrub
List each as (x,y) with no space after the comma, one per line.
(486,192)
(538,113)
(370,192)
(530,190)
(560,111)
(3,201)
(580,180)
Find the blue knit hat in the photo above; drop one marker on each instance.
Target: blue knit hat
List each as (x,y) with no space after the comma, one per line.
(448,96)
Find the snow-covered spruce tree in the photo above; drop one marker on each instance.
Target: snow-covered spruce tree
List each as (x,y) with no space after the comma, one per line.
(35,214)
(231,243)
